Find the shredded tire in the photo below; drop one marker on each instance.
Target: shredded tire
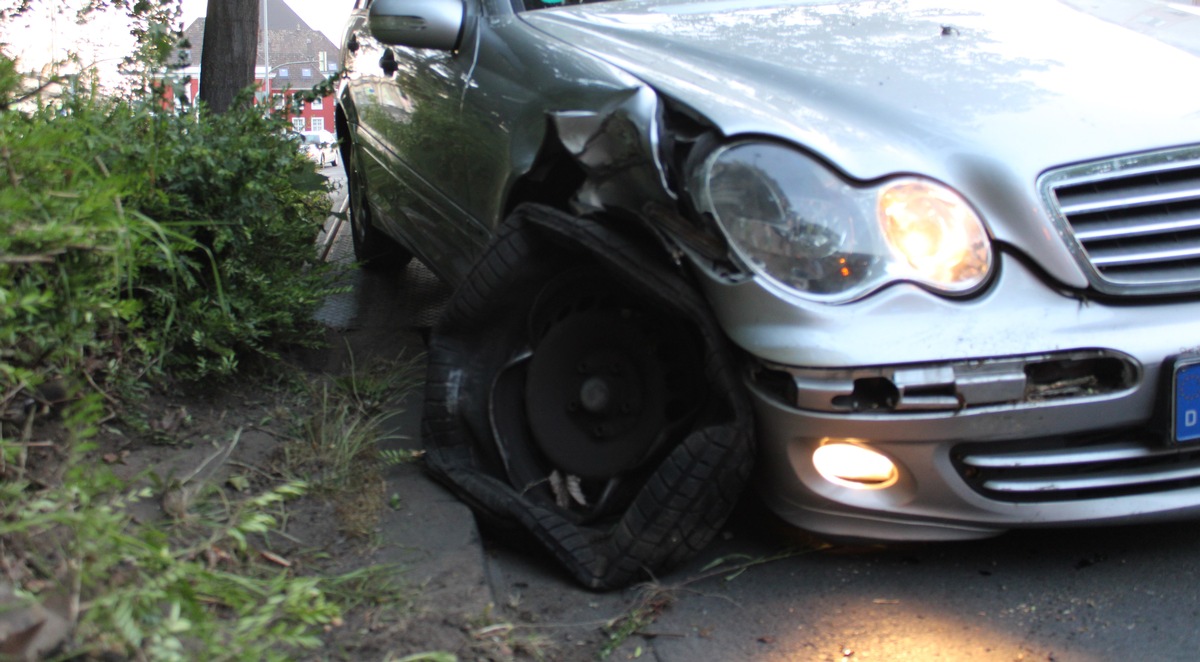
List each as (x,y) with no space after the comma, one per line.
(689,486)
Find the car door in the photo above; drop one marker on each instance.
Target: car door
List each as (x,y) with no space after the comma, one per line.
(405,118)
(448,132)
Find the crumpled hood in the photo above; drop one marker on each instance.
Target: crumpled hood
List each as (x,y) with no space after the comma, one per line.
(904,85)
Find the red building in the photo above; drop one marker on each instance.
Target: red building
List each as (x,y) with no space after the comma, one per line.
(300,57)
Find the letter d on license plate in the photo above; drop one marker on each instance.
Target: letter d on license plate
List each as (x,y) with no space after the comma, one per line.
(1187,400)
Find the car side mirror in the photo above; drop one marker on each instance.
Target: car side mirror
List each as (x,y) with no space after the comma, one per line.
(418,23)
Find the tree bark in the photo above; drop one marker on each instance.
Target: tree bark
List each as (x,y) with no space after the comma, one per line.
(230,45)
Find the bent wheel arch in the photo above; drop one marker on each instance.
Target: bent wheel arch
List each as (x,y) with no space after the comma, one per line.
(681,464)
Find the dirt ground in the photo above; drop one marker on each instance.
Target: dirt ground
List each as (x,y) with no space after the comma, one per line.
(197,446)
(214,443)
(245,435)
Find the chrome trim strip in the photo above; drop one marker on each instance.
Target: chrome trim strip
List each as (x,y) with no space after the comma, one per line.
(1144,476)
(1056,457)
(1115,230)
(1127,257)
(1115,200)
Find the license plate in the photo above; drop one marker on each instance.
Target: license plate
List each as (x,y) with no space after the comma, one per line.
(1187,400)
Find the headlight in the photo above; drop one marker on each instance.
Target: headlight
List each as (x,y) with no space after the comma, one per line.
(792,220)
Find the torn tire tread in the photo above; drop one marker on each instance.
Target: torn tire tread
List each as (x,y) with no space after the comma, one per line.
(687,497)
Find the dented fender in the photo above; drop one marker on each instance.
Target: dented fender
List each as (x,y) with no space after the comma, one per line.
(618,150)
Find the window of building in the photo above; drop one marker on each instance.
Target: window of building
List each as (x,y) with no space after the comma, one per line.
(318,104)
(283,73)
(298,123)
(306,73)
(318,123)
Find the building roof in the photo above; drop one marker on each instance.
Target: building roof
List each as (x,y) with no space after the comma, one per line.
(295,48)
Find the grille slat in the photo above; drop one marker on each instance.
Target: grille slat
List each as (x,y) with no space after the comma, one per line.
(1060,457)
(1134,221)
(1105,481)
(1145,195)
(1120,229)
(1120,256)
(1171,274)
(1068,469)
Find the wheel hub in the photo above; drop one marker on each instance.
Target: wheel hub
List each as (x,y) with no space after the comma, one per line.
(595,395)
(595,399)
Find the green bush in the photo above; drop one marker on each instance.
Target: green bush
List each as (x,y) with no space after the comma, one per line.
(135,238)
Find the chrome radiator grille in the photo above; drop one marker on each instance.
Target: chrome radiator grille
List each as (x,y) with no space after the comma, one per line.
(1064,470)
(1133,222)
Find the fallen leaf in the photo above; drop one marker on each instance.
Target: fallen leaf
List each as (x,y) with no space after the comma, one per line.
(275,558)
(239,483)
(215,555)
(497,629)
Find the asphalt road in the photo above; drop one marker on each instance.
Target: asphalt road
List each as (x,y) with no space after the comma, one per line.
(1107,594)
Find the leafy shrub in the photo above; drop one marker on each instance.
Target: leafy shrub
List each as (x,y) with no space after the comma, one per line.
(250,207)
(134,238)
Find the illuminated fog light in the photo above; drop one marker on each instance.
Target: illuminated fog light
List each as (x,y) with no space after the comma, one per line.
(854,466)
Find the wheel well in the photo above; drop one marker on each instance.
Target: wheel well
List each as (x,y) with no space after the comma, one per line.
(552,180)
(342,130)
(653,504)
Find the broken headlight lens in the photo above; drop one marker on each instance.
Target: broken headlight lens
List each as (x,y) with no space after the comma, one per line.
(792,220)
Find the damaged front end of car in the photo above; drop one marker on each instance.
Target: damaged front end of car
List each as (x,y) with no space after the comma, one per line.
(904,345)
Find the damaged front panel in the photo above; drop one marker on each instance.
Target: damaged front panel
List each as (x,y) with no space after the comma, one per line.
(618,149)
(952,386)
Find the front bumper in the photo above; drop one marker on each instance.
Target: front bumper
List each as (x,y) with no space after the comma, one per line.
(983,436)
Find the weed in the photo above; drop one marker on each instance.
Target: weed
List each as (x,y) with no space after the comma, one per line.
(652,600)
(336,445)
(503,640)
(394,457)
(135,591)
(368,389)
(372,586)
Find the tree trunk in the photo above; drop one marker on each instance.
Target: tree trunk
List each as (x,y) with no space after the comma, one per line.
(230,45)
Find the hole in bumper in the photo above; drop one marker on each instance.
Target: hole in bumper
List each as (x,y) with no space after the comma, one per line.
(950,386)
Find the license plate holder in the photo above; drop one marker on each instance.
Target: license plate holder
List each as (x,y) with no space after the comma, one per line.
(1185,401)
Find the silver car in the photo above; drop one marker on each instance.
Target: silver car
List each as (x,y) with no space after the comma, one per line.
(930,267)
